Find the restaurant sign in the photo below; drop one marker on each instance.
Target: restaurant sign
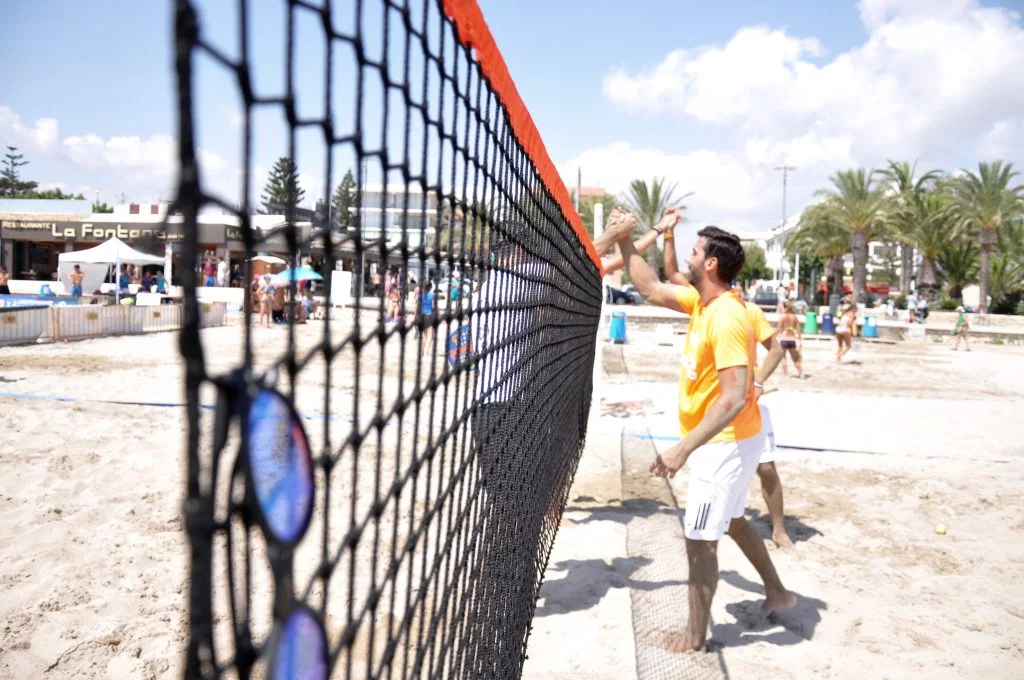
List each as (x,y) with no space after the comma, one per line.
(88,231)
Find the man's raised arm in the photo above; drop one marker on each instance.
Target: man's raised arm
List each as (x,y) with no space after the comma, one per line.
(656,292)
(672,272)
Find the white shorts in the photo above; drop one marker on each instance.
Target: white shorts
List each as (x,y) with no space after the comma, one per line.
(720,474)
(769,451)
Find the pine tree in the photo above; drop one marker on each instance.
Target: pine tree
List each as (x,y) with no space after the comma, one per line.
(10,177)
(282,189)
(344,201)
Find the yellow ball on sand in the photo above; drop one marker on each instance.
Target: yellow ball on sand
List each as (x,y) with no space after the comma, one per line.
(940,529)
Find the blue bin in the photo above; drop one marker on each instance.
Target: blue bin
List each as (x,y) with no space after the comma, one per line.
(617,330)
(870,327)
(828,326)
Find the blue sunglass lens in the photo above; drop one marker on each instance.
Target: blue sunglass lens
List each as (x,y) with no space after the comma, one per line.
(301,650)
(281,466)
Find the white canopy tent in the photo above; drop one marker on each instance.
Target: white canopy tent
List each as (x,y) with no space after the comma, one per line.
(113,251)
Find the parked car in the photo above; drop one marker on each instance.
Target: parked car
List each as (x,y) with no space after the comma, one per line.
(766,297)
(627,295)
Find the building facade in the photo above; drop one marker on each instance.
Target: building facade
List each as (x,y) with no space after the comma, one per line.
(385,210)
(34,233)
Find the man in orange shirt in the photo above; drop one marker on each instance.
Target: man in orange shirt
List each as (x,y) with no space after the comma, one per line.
(771,485)
(718,416)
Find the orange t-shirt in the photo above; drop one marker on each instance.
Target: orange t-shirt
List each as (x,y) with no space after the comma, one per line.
(758,322)
(720,336)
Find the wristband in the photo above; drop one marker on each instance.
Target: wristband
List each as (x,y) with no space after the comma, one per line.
(758,385)
(657,231)
(667,235)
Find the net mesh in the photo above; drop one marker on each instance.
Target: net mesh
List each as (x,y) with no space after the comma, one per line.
(445,425)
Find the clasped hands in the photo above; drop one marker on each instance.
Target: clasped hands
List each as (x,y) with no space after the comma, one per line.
(621,223)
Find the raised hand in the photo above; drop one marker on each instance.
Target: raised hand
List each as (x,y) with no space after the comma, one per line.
(621,225)
(669,220)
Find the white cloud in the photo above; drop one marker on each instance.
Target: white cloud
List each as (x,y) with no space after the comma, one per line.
(1005,139)
(42,136)
(153,156)
(925,70)
(936,81)
(713,83)
(234,117)
(724,185)
(814,148)
(141,168)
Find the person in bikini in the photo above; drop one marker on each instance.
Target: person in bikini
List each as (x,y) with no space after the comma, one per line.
(844,331)
(791,339)
(394,295)
(265,292)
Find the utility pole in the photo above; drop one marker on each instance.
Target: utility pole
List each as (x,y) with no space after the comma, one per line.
(579,187)
(786,169)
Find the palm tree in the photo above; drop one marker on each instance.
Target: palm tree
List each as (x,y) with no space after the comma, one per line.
(649,203)
(1006,277)
(984,202)
(1011,239)
(819,234)
(857,204)
(935,227)
(958,263)
(906,193)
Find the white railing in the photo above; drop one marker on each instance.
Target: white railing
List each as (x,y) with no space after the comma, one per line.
(20,326)
(23,325)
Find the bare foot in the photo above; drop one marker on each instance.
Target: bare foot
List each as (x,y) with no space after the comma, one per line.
(682,642)
(778,600)
(782,540)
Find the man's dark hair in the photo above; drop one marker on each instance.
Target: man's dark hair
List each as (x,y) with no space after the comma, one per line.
(726,248)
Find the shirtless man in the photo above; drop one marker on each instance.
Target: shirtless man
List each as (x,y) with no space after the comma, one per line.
(771,485)
(75,277)
(718,415)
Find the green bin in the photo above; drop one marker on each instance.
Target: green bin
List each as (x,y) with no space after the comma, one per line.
(811,322)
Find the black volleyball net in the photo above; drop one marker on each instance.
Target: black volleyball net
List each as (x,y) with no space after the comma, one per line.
(380,449)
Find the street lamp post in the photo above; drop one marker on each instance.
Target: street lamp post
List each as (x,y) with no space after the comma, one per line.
(786,169)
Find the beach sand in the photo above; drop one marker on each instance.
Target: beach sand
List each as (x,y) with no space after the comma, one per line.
(93,556)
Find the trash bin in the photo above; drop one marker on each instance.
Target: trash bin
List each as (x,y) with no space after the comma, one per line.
(617,330)
(870,327)
(828,327)
(811,322)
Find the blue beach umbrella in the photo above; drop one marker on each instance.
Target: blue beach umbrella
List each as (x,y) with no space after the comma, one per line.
(304,273)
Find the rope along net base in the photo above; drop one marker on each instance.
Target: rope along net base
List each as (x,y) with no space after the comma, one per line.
(400,412)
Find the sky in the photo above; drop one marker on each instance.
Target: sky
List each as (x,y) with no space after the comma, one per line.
(711,96)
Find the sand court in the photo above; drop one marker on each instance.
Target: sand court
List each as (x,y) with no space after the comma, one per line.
(93,556)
